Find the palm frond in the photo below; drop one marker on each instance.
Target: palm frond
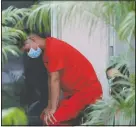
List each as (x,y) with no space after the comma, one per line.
(41,13)
(123,13)
(112,112)
(127,26)
(12,40)
(125,83)
(39,17)
(12,36)
(122,59)
(14,16)
(132,79)
(9,49)
(119,109)
(100,109)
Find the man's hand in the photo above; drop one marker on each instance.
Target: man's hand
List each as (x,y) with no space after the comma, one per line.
(54,94)
(46,109)
(49,116)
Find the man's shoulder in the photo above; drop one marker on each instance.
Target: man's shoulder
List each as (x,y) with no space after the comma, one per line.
(54,39)
(53,42)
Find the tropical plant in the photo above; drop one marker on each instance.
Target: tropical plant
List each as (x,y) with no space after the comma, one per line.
(14,116)
(123,15)
(40,17)
(12,16)
(119,14)
(12,35)
(15,20)
(12,40)
(117,110)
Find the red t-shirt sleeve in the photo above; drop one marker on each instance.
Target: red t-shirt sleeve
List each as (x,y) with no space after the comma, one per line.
(55,56)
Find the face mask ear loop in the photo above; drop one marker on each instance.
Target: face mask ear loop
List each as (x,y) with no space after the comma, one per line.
(30,43)
(37,45)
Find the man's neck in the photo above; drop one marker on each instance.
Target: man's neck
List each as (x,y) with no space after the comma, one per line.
(43,45)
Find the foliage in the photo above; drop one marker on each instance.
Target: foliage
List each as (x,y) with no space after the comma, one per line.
(117,110)
(39,18)
(14,17)
(15,20)
(119,14)
(13,116)
(11,41)
(39,15)
(12,36)
(123,16)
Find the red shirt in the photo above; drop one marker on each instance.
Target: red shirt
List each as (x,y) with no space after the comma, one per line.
(76,72)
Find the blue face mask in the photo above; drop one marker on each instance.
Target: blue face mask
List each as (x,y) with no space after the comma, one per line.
(34,53)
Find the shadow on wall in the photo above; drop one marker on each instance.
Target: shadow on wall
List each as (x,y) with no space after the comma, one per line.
(16,3)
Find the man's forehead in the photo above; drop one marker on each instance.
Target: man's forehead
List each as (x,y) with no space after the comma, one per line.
(32,36)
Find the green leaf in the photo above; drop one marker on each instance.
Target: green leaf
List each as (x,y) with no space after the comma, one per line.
(14,116)
(14,16)
(39,17)
(127,26)
(12,40)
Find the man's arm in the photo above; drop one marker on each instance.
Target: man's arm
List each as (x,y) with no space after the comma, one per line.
(49,92)
(54,86)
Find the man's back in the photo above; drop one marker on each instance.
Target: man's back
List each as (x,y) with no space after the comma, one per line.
(76,71)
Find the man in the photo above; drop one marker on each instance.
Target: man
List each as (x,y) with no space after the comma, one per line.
(68,70)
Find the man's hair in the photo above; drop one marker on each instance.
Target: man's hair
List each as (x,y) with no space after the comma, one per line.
(43,35)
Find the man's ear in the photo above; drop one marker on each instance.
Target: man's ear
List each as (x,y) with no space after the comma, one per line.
(25,47)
